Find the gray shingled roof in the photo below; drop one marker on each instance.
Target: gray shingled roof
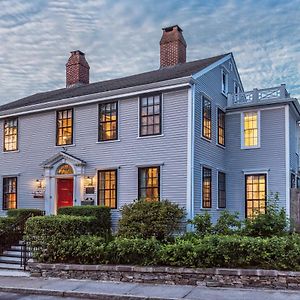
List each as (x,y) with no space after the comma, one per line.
(181,70)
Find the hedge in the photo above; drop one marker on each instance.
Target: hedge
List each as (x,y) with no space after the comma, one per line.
(281,253)
(23,213)
(101,213)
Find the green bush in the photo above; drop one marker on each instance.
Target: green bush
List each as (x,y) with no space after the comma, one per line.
(145,219)
(24,213)
(273,222)
(5,223)
(227,223)
(101,213)
(203,224)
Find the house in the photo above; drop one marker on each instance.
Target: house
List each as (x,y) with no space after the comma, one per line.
(187,132)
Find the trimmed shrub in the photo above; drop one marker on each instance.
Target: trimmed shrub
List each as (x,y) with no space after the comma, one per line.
(101,213)
(145,219)
(5,223)
(24,213)
(203,224)
(227,223)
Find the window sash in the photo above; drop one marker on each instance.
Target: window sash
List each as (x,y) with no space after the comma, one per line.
(107,188)
(206,187)
(9,193)
(221,127)
(64,127)
(108,121)
(206,118)
(149,183)
(150,115)
(224,82)
(10,135)
(250,129)
(255,194)
(221,190)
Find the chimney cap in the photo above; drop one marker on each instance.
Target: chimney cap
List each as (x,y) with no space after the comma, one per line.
(170,28)
(77,52)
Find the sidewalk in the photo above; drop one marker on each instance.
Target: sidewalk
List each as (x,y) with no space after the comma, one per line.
(88,289)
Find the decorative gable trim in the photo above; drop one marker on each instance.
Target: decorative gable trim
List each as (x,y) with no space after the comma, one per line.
(62,156)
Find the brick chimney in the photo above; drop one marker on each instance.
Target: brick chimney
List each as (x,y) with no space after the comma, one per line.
(77,69)
(172,47)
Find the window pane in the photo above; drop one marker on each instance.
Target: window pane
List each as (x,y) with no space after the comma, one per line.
(108,121)
(221,127)
(107,188)
(149,184)
(150,115)
(206,188)
(10,135)
(251,129)
(9,193)
(64,127)
(221,190)
(206,118)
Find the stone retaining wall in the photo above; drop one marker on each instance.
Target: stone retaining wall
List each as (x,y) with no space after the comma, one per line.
(167,275)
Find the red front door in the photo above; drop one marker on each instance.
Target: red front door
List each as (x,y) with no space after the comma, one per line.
(64,192)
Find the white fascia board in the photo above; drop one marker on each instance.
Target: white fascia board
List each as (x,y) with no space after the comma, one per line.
(98,97)
(287,159)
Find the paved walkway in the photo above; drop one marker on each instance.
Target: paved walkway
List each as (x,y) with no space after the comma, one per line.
(88,289)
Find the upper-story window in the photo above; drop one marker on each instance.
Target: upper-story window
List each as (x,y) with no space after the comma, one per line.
(221,190)
(236,88)
(108,121)
(149,183)
(251,129)
(64,127)
(206,187)
(9,193)
(206,118)
(224,82)
(10,135)
(150,115)
(221,127)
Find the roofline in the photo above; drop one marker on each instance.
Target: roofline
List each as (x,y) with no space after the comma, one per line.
(166,85)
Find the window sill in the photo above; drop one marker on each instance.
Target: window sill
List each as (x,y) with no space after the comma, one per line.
(205,139)
(205,209)
(249,148)
(221,208)
(151,136)
(221,146)
(225,94)
(108,141)
(14,151)
(64,146)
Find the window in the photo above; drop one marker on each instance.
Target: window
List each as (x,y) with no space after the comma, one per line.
(108,121)
(149,183)
(206,188)
(236,88)
(64,169)
(10,135)
(9,193)
(221,127)
(250,129)
(150,115)
(64,127)
(221,190)
(255,195)
(107,188)
(224,82)
(206,118)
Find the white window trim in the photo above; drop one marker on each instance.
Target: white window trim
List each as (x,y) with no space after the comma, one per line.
(217,128)
(211,169)
(258,130)
(221,171)
(236,85)
(211,117)
(224,71)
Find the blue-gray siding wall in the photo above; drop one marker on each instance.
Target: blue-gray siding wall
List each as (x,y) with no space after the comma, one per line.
(208,153)
(294,140)
(37,143)
(269,157)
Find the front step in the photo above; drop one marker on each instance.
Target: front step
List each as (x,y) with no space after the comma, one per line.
(14,253)
(4,266)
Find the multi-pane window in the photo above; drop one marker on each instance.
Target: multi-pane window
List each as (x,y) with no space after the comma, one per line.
(221,127)
(251,129)
(224,82)
(64,127)
(108,121)
(236,88)
(206,188)
(149,183)
(9,193)
(221,190)
(107,188)
(10,135)
(150,115)
(206,118)
(255,194)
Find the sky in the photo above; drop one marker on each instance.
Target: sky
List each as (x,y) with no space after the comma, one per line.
(121,37)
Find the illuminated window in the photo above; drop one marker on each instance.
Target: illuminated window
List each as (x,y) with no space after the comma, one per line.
(108,121)
(64,169)
(250,129)
(10,135)
(150,115)
(64,127)
(107,188)
(255,195)
(9,193)
(149,185)
(206,188)
(221,190)
(206,118)
(224,82)
(221,127)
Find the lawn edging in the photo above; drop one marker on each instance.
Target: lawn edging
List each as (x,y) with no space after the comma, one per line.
(212,277)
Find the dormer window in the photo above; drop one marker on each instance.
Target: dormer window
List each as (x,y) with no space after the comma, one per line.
(224,82)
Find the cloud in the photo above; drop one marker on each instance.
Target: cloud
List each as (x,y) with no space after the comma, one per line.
(121,38)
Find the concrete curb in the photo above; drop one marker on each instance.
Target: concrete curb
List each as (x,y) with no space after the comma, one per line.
(80,295)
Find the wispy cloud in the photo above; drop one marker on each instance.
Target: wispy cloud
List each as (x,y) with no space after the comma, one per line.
(121,38)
